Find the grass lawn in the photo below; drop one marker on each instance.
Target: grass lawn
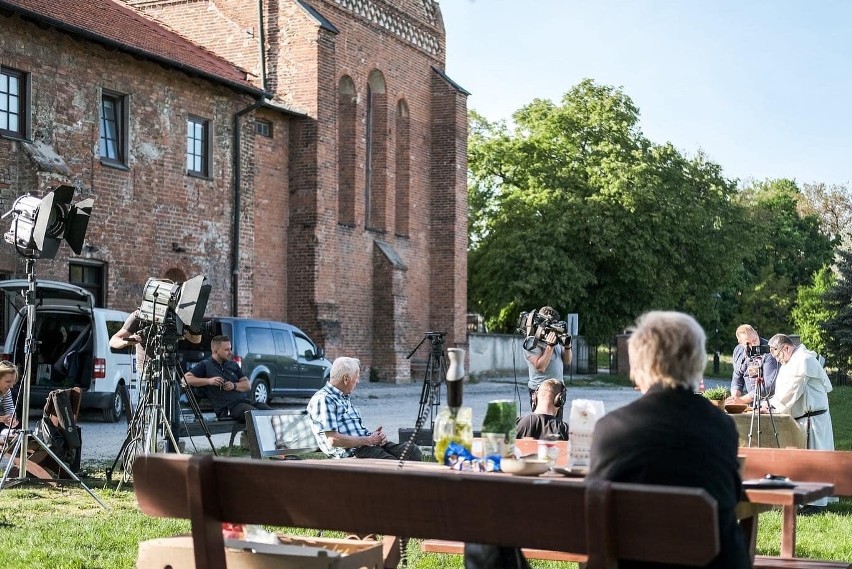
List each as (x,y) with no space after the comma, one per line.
(64,528)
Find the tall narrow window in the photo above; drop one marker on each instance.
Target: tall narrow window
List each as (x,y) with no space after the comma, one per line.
(90,276)
(403,157)
(375,163)
(197,147)
(113,145)
(346,109)
(14,107)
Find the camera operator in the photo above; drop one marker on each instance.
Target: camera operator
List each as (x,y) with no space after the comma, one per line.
(548,360)
(748,367)
(132,333)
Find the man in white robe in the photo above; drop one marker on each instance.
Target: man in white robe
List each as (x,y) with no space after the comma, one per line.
(801,390)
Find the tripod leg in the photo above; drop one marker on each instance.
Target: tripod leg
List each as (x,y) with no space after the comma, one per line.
(15,449)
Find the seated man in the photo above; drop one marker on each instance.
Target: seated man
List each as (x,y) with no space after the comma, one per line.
(670,436)
(223,382)
(543,423)
(337,424)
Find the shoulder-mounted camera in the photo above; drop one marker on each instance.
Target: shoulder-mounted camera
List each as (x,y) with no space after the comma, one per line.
(535,325)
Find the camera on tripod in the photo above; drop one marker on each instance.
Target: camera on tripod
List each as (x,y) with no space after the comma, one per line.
(756,351)
(535,325)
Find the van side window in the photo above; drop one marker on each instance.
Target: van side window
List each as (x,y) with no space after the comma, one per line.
(114,326)
(259,341)
(303,346)
(284,343)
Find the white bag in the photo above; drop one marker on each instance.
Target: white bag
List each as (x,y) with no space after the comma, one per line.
(581,424)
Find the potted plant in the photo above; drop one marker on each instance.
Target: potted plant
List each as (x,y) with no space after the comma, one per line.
(717,395)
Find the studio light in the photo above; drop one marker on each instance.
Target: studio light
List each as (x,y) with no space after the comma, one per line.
(40,225)
(187,300)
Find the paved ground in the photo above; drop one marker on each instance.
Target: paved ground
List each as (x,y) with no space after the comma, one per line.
(392,406)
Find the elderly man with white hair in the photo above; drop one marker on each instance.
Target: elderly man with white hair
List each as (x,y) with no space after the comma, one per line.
(337,424)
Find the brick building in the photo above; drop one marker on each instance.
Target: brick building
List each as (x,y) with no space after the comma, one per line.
(344,209)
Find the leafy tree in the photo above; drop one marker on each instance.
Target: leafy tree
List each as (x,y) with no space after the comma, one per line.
(786,248)
(838,328)
(831,204)
(575,208)
(811,312)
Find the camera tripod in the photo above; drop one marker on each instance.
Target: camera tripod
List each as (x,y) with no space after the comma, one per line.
(760,395)
(19,440)
(158,410)
(430,395)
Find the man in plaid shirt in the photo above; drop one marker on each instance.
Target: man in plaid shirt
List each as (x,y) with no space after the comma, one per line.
(337,424)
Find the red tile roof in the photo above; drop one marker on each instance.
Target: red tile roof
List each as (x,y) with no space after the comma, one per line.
(117,25)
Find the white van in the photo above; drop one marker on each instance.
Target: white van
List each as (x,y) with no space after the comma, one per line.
(71,345)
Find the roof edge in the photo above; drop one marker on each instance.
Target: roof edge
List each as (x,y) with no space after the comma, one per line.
(141,53)
(446,78)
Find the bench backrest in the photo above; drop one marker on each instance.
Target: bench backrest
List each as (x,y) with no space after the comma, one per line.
(803,465)
(603,520)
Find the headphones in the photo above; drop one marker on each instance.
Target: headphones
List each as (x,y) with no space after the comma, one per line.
(558,399)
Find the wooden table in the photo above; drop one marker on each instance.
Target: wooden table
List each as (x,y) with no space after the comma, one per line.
(789,499)
(789,432)
(756,501)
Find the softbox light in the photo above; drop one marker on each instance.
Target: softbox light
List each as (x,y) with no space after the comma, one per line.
(40,225)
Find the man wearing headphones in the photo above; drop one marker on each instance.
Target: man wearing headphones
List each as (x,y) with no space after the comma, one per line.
(543,423)
(547,360)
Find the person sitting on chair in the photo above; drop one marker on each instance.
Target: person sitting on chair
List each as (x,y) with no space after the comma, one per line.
(337,424)
(223,382)
(8,379)
(670,436)
(543,423)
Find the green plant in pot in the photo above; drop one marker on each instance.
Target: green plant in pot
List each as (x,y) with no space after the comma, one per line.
(717,395)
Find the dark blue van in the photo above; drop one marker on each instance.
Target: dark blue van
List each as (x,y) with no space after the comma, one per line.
(279,359)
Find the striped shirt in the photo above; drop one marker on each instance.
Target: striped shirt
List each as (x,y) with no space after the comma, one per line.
(331,410)
(7,405)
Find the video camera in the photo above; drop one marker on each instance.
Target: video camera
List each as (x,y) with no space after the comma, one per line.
(756,351)
(536,325)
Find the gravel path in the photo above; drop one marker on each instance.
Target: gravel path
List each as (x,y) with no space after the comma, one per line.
(391,406)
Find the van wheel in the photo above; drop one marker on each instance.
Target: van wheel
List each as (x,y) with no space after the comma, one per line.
(260,392)
(114,411)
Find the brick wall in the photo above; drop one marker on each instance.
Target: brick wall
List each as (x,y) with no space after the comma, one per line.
(141,211)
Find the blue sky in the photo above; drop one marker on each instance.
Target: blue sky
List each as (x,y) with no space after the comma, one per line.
(763,87)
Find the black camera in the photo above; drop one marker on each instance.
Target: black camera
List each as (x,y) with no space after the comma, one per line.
(536,325)
(758,350)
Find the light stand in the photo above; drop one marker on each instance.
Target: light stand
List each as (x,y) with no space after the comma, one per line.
(38,228)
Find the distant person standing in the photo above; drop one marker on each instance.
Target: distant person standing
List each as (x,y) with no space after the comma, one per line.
(548,360)
(747,368)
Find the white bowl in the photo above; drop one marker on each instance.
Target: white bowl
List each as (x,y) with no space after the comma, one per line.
(524,466)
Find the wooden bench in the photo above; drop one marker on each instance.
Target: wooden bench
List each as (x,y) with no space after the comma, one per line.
(604,521)
(805,466)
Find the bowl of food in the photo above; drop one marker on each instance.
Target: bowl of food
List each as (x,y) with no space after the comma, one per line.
(735,408)
(524,466)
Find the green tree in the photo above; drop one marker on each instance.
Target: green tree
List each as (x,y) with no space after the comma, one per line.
(838,328)
(785,249)
(811,312)
(575,208)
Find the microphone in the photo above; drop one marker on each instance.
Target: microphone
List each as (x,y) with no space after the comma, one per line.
(455,378)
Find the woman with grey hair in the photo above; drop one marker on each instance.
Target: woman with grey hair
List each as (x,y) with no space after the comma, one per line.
(670,435)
